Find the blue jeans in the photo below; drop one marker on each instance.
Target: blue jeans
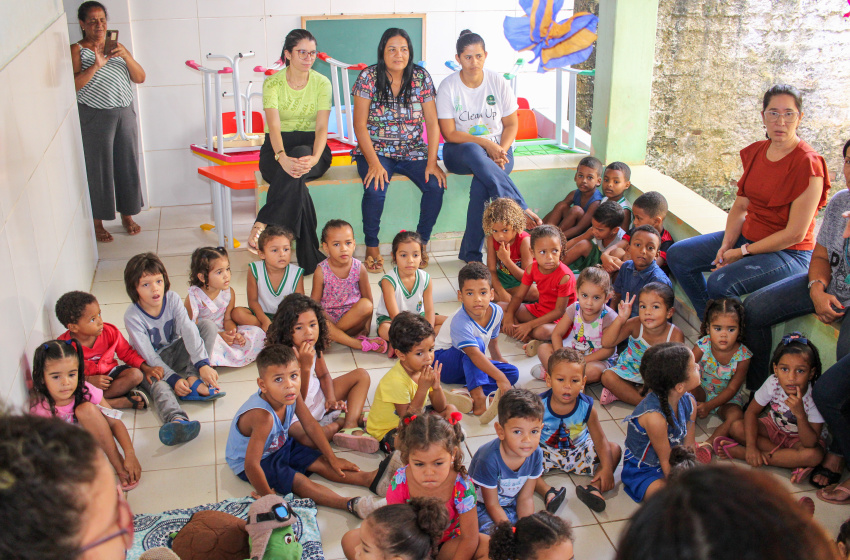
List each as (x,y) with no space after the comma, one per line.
(776,303)
(485,522)
(488,181)
(373,198)
(832,399)
(689,258)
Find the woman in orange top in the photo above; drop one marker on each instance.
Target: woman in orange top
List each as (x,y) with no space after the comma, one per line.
(768,235)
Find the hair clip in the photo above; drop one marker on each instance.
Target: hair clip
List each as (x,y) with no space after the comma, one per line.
(409,419)
(795,336)
(220,249)
(402,231)
(45,346)
(455,417)
(513,529)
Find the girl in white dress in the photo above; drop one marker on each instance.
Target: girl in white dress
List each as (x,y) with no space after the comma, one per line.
(211,297)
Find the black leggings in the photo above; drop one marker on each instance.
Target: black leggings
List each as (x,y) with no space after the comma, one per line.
(288,202)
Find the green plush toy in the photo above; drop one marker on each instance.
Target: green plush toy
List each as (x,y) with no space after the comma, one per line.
(270,530)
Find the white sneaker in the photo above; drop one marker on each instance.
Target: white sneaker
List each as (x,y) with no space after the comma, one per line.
(538,372)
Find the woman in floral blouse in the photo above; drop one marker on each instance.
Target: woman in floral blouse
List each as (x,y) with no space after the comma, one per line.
(394,100)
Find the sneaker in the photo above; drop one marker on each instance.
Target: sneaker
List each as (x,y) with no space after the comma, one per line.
(386,472)
(537,372)
(607,397)
(362,506)
(178,431)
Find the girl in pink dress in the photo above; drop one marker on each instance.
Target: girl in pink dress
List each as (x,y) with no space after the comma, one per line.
(211,297)
(341,285)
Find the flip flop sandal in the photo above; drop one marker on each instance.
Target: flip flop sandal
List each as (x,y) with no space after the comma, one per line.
(800,474)
(832,477)
(196,396)
(373,265)
(128,487)
(835,488)
(591,500)
(179,431)
(721,446)
(531,348)
(142,404)
(558,499)
(704,452)
(254,237)
(363,443)
(492,408)
(424,262)
(460,399)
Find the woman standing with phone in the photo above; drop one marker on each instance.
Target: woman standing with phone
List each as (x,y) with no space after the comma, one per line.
(103,81)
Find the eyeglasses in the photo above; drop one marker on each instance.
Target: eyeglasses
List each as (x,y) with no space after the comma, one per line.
(125,522)
(304,55)
(787,116)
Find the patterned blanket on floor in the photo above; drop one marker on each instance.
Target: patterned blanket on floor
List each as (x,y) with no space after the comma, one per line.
(152,530)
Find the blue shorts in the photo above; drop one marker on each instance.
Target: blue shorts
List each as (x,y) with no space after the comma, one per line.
(636,479)
(486,525)
(280,467)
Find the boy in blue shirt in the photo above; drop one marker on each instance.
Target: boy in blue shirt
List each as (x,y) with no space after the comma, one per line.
(260,451)
(505,471)
(642,268)
(461,341)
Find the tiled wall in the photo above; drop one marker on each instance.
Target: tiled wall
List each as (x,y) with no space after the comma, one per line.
(163,34)
(46,239)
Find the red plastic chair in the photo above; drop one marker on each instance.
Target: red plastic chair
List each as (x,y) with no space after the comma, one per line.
(229,122)
(527,125)
(523,103)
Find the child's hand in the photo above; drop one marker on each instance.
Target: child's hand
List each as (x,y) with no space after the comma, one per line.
(702,410)
(336,405)
(624,308)
(152,373)
(795,403)
(182,388)
(504,252)
(228,336)
(100,381)
(341,465)
(438,370)
(306,355)
(209,376)
(604,480)
(523,331)
(755,457)
(426,378)
(134,469)
(609,263)
(504,386)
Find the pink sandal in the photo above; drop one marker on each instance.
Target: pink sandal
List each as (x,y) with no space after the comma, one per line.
(721,446)
(607,397)
(800,474)
(376,344)
(834,488)
(704,452)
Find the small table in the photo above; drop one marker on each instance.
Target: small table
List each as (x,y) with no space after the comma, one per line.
(239,177)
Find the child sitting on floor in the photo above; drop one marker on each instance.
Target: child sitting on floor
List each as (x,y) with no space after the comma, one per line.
(211,298)
(59,389)
(585,250)
(572,215)
(406,287)
(341,285)
(411,382)
(461,342)
(273,277)
(649,209)
(336,403)
(79,312)
(789,435)
(508,248)
(641,268)
(260,451)
(556,285)
(572,439)
(162,333)
(408,531)
(665,418)
(615,182)
(506,469)
(582,326)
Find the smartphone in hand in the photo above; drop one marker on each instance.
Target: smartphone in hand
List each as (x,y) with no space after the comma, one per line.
(111,41)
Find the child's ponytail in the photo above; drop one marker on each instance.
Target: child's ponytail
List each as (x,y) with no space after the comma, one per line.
(419,430)
(539,530)
(57,350)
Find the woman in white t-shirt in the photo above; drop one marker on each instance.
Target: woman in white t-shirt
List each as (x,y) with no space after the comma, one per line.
(477,111)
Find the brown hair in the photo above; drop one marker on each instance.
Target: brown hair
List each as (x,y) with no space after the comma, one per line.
(420,430)
(144,264)
(503,210)
(201,263)
(412,529)
(568,355)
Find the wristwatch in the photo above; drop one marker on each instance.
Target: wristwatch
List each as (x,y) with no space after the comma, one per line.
(745,250)
(277,155)
(816,281)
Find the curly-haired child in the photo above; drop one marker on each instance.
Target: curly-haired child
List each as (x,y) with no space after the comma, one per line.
(508,248)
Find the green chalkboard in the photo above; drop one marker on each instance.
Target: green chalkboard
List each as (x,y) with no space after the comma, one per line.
(355,39)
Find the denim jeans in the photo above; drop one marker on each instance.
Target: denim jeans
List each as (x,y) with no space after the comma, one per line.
(689,258)
(373,198)
(776,303)
(488,181)
(832,399)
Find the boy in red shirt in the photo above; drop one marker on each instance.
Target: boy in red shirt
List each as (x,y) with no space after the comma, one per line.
(79,312)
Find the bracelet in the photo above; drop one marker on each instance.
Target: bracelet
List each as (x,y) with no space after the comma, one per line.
(816,281)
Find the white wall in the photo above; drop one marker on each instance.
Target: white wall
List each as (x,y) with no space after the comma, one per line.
(46,238)
(163,34)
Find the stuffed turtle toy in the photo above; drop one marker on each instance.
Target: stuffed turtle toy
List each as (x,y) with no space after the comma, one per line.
(270,526)
(212,535)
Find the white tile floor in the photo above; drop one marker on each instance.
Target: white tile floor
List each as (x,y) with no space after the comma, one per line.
(195,473)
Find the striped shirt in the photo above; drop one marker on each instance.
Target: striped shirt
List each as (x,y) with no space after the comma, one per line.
(110,87)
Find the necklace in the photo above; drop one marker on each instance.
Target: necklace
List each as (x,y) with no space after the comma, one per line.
(292,83)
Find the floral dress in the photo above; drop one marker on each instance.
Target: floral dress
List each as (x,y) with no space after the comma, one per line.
(463,499)
(224,354)
(714,376)
(340,294)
